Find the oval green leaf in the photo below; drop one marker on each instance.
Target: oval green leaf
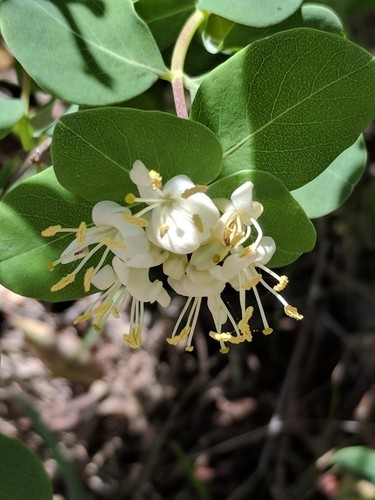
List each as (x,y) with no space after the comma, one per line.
(92,52)
(331,188)
(257,13)
(283,219)
(11,111)
(221,35)
(22,473)
(165,18)
(28,209)
(296,101)
(94,150)
(359,460)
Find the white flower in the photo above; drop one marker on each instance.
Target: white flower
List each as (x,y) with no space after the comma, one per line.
(120,284)
(115,231)
(243,271)
(232,229)
(182,216)
(196,285)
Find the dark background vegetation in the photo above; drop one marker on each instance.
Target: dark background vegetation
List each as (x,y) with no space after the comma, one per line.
(160,423)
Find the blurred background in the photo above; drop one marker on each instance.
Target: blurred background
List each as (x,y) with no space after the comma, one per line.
(261,422)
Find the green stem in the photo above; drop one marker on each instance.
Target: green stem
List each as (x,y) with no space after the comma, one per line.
(178,59)
(25,93)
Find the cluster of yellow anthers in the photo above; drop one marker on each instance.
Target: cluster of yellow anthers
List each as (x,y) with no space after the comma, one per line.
(198,241)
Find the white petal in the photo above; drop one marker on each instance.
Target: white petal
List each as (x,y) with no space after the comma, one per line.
(175,265)
(139,174)
(265,249)
(177,185)
(104,210)
(104,278)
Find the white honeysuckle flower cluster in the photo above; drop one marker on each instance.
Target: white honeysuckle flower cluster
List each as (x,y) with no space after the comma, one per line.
(199,242)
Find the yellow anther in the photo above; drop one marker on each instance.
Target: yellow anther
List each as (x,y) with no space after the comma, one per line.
(137,221)
(130,199)
(65,281)
(267,331)
(221,337)
(189,348)
(292,312)
(224,350)
(115,313)
(181,336)
(50,266)
(199,188)
(51,231)
(198,222)
(102,309)
(246,251)
(238,339)
(81,233)
(164,228)
(99,313)
(87,278)
(253,282)
(113,243)
(156,179)
(84,317)
(282,284)
(216,258)
(243,325)
(133,338)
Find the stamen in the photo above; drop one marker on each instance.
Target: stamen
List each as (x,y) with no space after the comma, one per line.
(83,317)
(113,243)
(156,179)
(260,233)
(266,330)
(50,266)
(164,228)
(282,284)
(51,231)
(81,233)
(134,338)
(198,222)
(65,281)
(137,221)
(292,312)
(246,251)
(282,280)
(252,282)
(130,198)
(243,324)
(216,258)
(199,188)
(175,339)
(221,337)
(87,278)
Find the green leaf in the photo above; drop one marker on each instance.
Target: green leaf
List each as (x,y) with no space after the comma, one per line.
(331,188)
(22,473)
(296,100)
(93,52)
(28,209)
(283,219)
(11,111)
(358,459)
(257,13)
(94,150)
(221,35)
(165,18)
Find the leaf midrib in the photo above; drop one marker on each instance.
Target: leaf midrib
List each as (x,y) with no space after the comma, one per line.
(131,62)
